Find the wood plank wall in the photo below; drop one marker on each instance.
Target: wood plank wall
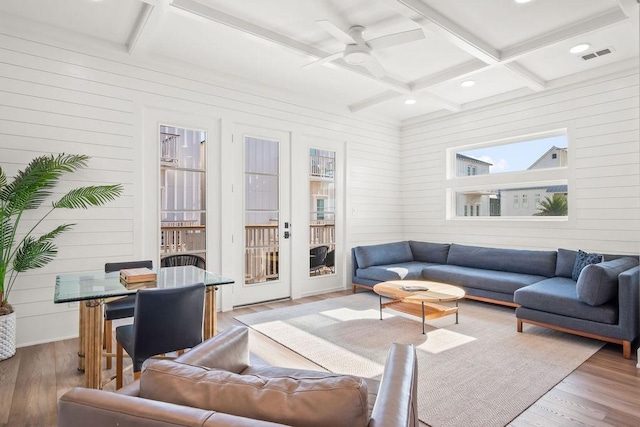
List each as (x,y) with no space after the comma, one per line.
(604,171)
(61,93)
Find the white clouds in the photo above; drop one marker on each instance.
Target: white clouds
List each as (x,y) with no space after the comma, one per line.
(496,166)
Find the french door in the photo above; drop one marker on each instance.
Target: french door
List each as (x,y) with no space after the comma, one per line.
(262,229)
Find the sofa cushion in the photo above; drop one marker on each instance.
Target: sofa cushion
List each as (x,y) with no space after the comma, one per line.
(566,261)
(429,252)
(386,253)
(403,271)
(598,283)
(558,295)
(490,280)
(539,263)
(286,396)
(582,260)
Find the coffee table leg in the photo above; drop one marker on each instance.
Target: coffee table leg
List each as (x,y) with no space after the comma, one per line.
(422,317)
(456,312)
(380,298)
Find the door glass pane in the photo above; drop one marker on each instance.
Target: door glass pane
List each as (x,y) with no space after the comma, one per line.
(261,186)
(322,208)
(182,191)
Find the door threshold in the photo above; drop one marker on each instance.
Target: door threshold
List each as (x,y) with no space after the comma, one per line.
(253,304)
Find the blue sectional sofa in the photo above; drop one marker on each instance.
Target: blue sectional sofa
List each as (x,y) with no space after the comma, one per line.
(560,289)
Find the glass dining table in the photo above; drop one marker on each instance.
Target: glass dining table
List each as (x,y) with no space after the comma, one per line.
(91,289)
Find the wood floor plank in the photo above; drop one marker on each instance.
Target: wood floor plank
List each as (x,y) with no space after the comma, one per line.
(35,398)
(8,376)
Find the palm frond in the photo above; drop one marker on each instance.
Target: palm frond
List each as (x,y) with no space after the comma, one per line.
(32,185)
(34,253)
(3,178)
(85,197)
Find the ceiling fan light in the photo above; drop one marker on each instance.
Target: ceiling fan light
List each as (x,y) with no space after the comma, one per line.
(580,48)
(467,83)
(355,54)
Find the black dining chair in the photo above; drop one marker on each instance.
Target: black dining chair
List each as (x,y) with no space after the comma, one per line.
(165,320)
(330,260)
(317,258)
(120,308)
(180,260)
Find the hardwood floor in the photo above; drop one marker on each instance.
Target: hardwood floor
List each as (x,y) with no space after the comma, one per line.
(604,391)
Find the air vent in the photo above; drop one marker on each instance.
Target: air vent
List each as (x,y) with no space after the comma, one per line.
(597,53)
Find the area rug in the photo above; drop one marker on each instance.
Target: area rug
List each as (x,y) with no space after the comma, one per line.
(480,372)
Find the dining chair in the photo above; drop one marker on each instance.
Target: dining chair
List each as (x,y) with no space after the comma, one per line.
(179,260)
(330,260)
(317,257)
(165,320)
(120,308)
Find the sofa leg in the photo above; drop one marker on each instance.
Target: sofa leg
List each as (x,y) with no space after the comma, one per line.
(626,349)
(519,325)
(353,288)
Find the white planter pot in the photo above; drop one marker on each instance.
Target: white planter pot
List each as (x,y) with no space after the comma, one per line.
(7,335)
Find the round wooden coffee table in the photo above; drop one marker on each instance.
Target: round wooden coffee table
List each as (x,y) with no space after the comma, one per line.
(419,298)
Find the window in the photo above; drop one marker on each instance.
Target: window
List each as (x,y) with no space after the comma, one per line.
(501,177)
(182,191)
(322,193)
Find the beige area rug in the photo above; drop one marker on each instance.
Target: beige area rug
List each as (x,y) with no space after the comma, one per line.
(480,372)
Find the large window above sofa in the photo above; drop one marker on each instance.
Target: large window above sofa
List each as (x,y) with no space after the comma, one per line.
(520,177)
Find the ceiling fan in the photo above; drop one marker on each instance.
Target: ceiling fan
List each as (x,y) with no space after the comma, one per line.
(359,51)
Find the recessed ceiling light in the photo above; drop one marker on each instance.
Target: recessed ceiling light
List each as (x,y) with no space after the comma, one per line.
(410,101)
(467,83)
(523,1)
(580,48)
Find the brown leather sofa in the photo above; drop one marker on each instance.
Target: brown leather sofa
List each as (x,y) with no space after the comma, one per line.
(195,380)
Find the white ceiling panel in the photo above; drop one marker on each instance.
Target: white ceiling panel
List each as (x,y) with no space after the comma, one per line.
(507,48)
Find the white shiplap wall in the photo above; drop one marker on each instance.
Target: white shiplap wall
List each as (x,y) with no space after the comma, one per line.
(65,94)
(601,116)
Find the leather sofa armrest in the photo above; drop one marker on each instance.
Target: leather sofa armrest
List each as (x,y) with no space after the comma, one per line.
(229,350)
(132,389)
(397,401)
(87,407)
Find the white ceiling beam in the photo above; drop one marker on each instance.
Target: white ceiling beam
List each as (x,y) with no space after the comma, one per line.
(445,103)
(583,27)
(146,24)
(629,7)
(525,76)
(212,14)
(374,100)
(459,71)
(454,33)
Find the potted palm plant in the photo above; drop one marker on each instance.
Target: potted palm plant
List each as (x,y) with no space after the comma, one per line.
(25,248)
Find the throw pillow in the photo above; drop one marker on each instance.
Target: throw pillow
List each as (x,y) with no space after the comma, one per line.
(598,283)
(582,260)
(285,396)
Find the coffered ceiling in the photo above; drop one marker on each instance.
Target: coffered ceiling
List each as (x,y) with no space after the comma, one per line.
(507,48)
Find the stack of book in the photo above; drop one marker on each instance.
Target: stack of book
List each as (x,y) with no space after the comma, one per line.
(137,277)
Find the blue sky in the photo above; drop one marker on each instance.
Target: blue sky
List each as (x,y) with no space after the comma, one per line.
(516,156)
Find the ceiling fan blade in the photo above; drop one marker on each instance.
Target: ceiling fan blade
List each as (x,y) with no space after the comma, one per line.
(391,40)
(375,67)
(323,60)
(335,31)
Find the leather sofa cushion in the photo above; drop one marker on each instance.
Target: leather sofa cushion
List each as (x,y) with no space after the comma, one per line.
(598,283)
(296,398)
(386,253)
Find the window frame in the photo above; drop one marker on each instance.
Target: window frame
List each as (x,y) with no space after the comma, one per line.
(552,176)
